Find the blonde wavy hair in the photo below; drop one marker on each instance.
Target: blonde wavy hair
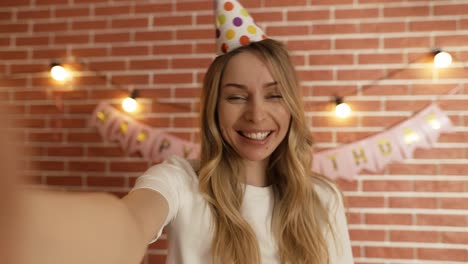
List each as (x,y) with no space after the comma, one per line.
(299,217)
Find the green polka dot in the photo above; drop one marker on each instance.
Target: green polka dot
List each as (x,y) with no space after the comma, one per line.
(230,34)
(244,12)
(251,29)
(222,19)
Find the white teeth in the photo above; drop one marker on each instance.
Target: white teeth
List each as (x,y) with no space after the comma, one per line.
(257,136)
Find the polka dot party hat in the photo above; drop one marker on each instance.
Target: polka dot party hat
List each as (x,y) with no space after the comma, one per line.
(234,26)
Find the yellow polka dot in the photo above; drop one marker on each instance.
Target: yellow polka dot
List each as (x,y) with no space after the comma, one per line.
(222,19)
(251,29)
(230,34)
(244,12)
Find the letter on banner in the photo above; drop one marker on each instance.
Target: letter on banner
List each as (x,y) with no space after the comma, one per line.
(384,146)
(359,155)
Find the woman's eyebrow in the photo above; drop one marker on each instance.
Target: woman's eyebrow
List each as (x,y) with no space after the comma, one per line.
(243,87)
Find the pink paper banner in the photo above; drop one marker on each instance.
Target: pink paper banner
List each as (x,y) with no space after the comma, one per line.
(393,145)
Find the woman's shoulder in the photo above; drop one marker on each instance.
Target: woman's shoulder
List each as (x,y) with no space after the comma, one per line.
(174,168)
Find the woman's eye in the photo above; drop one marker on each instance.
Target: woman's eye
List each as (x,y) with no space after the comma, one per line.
(275,96)
(235,98)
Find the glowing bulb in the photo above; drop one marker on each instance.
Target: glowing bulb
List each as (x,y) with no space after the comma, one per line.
(59,73)
(442,59)
(342,110)
(129,104)
(435,124)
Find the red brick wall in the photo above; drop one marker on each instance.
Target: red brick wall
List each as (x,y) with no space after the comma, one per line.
(413,212)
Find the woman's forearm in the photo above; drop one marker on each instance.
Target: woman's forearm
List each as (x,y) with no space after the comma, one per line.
(63,227)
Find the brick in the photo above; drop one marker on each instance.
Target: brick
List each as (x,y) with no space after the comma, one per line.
(287,30)
(69,122)
(388,252)
(360,74)
(45,137)
(406,42)
(153,8)
(445,153)
(450,40)
(193,6)
(441,220)
(412,202)
(347,185)
(64,180)
(348,137)
(410,11)
(14,3)
(14,28)
(55,53)
(335,28)
(89,52)
(83,137)
(453,203)
(33,41)
(387,186)
(319,121)
(5,15)
(154,35)
(87,166)
(358,13)
(155,93)
(108,93)
(454,237)
(307,15)
(113,10)
(366,235)
(434,25)
(160,121)
(307,45)
(105,151)
(33,14)
(406,105)
(439,186)
(131,79)
(30,95)
(128,166)
(187,63)
(149,64)
(112,38)
(66,39)
(13,55)
(448,9)
(285,3)
(314,75)
(172,49)
(170,78)
(269,16)
(414,236)
(129,23)
(389,58)
(387,219)
(187,93)
(72,12)
(65,151)
(379,121)
(331,59)
(89,25)
(382,27)
(172,20)
(130,51)
(106,66)
(330,90)
(365,202)
(443,254)
(51,2)
(359,44)
(410,169)
(183,34)
(44,165)
(162,107)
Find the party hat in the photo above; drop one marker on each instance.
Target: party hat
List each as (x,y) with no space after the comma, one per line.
(234,26)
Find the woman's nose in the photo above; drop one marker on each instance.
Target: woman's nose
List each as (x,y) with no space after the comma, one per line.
(256,110)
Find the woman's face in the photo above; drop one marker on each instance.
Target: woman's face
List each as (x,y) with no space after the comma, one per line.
(252,115)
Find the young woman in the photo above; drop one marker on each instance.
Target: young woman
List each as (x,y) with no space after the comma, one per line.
(252,197)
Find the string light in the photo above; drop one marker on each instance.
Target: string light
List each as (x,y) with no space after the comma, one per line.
(129,104)
(442,59)
(58,72)
(342,109)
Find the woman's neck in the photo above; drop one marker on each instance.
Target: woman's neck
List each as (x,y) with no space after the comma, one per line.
(255,173)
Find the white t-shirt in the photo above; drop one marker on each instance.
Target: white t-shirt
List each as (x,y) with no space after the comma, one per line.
(189,224)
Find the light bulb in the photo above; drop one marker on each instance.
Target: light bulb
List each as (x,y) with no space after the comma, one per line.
(129,104)
(59,73)
(442,59)
(342,110)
